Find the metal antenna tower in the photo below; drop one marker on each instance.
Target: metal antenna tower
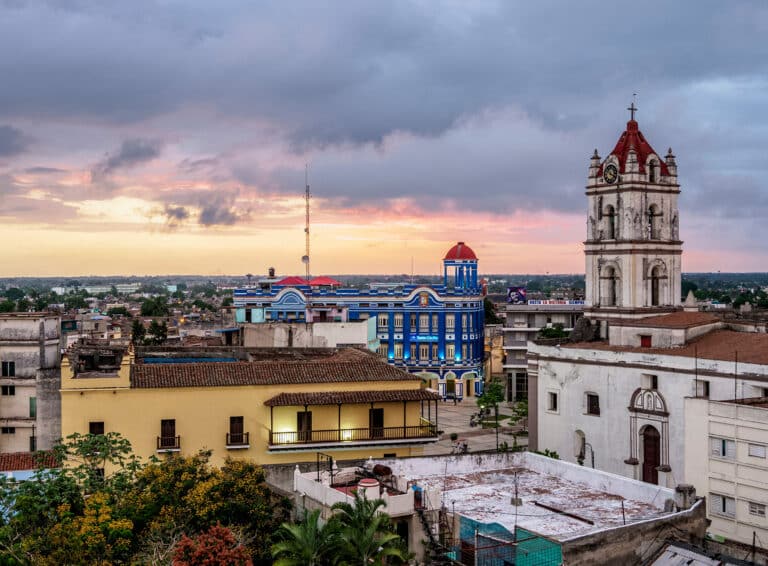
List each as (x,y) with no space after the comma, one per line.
(305,257)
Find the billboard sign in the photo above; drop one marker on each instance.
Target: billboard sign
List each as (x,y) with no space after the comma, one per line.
(516,295)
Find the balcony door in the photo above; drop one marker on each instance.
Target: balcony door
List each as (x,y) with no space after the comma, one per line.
(235,430)
(376,422)
(304,426)
(168,433)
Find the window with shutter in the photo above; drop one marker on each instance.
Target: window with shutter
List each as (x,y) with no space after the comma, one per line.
(714,447)
(730,506)
(757,450)
(756,509)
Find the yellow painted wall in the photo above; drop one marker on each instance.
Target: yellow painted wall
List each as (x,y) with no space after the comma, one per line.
(202,417)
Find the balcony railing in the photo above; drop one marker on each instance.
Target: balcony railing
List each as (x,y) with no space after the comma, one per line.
(168,443)
(237,440)
(352,435)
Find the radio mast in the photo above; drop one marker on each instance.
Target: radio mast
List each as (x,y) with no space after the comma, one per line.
(305,257)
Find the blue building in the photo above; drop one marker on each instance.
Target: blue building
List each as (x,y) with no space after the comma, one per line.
(435,331)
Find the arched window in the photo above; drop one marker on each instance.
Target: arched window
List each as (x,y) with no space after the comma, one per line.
(610,219)
(654,222)
(610,287)
(652,171)
(655,286)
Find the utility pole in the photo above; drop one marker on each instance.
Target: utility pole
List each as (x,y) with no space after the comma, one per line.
(305,257)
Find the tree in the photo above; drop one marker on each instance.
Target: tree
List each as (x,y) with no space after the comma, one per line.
(121,311)
(157,306)
(227,302)
(492,396)
(215,546)
(158,333)
(99,462)
(138,332)
(307,543)
(75,301)
(14,294)
(7,306)
(555,331)
(365,533)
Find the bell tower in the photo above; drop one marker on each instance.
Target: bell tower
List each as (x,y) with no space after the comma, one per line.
(633,246)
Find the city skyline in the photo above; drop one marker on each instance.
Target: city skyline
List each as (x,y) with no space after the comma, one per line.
(172,138)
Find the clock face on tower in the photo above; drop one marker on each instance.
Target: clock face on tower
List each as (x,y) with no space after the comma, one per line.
(610,173)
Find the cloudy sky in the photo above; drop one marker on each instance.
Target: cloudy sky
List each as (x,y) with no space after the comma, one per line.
(150,137)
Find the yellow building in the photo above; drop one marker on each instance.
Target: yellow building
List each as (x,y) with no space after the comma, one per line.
(271,406)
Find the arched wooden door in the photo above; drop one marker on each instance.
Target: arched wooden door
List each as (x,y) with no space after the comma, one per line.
(651,454)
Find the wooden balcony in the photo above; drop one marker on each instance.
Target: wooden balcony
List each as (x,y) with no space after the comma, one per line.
(351,436)
(238,440)
(168,443)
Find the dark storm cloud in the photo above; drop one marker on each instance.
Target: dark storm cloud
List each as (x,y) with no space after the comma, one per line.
(494,106)
(12,141)
(132,152)
(43,171)
(177,213)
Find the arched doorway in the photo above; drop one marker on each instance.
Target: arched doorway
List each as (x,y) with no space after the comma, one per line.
(651,453)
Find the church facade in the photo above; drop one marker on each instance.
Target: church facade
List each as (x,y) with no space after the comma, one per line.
(613,396)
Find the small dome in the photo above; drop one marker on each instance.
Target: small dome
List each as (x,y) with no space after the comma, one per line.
(460,251)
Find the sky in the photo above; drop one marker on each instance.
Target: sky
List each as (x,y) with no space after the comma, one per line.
(156,137)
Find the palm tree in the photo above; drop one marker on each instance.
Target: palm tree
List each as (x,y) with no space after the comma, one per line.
(306,543)
(365,533)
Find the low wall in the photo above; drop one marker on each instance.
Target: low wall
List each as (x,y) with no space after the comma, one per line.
(637,542)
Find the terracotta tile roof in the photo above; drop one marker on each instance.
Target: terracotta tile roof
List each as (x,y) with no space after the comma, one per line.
(675,320)
(350,397)
(346,365)
(20,461)
(752,347)
(632,138)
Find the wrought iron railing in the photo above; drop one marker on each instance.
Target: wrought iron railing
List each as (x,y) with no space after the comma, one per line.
(353,434)
(237,439)
(169,443)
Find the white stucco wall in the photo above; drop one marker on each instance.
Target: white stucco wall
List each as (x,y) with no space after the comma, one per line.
(615,376)
(744,477)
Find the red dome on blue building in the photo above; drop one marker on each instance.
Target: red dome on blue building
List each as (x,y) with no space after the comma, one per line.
(460,251)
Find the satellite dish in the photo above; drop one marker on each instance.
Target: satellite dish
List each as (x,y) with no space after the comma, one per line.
(305,259)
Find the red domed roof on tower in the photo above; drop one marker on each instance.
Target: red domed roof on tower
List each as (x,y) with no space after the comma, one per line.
(460,251)
(633,138)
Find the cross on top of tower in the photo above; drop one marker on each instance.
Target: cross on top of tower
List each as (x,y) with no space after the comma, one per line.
(632,109)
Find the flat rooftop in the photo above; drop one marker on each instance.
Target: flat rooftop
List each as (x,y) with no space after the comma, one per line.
(559,500)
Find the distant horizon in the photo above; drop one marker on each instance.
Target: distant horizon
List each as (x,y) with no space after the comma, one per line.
(362,275)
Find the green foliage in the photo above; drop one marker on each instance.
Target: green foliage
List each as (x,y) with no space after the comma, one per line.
(121,311)
(365,534)
(555,331)
(138,332)
(157,306)
(307,543)
(7,306)
(75,301)
(23,305)
(519,413)
(158,333)
(227,302)
(203,306)
(14,294)
(492,395)
(105,507)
